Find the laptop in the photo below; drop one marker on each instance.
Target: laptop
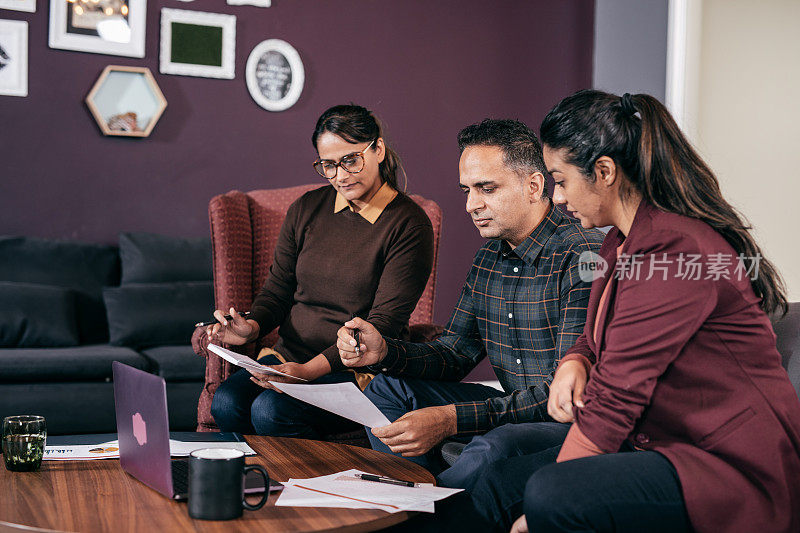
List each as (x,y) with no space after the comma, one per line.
(140,401)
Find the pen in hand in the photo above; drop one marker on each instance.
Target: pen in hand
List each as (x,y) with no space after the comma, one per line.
(357,338)
(215,321)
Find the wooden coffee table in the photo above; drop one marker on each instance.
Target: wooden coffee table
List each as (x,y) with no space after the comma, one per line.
(89,496)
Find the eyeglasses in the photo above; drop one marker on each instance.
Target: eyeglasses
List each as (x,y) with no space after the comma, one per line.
(352,163)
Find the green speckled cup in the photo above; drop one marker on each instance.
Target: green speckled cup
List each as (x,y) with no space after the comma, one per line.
(23,442)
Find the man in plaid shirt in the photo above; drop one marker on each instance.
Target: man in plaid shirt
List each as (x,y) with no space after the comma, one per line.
(523,305)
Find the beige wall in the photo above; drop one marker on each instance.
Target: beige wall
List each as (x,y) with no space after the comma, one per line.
(748,118)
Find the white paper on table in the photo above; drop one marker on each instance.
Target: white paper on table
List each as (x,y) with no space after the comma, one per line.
(296,497)
(361,494)
(82,452)
(179,448)
(110,450)
(343,399)
(247,363)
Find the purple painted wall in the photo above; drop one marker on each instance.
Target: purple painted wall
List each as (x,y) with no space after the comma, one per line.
(427,68)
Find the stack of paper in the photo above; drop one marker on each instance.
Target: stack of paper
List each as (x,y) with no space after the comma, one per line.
(110,450)
(344,489)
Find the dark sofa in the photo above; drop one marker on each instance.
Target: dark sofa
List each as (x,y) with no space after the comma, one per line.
(68,309)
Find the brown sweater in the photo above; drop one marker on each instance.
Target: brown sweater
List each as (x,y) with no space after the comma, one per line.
(330,266)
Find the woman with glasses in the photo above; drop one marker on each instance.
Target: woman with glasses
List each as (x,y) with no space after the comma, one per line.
(355,247)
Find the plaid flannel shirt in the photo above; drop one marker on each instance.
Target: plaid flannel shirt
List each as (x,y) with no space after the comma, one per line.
(524,308)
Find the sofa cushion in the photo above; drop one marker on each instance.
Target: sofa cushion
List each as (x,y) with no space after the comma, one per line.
(81,363)
(176,363)
(33,315)
(86,268)
(155,314)
(148,258)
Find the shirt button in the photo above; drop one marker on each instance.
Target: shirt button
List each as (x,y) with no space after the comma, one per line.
(519,361)
(641,438)
(510,315)
(516,269)
(384,369)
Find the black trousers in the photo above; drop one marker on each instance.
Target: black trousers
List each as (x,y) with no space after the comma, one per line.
(626,491)
(629,491)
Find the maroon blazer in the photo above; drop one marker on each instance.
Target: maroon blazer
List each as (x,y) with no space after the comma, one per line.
(689,368)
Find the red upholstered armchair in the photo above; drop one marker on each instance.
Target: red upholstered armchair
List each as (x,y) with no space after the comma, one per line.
(244,231)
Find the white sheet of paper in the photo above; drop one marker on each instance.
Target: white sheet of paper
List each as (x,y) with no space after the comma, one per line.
(110,450)
(361,494)
(82,452)
(178,448)
(343,399)
(245,362)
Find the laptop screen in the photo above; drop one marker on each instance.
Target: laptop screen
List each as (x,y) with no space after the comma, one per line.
(140,400)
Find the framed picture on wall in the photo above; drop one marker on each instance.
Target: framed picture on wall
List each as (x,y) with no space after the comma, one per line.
(19,5)
(195,43)
(13,58)
(275,75)
(113,27)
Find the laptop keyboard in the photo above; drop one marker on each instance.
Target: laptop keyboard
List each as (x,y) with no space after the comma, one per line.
(180,476)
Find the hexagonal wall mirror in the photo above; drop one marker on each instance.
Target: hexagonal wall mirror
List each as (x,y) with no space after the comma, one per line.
(126,101)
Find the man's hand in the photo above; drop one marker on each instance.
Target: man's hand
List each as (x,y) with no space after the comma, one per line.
(371,350)
(520,525)
(566,390)
(415,433)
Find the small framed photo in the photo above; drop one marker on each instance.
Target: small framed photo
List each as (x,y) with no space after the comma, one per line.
(194,43)
(113,27)
(13,58)
(126,101)
(19,5)
(275,75)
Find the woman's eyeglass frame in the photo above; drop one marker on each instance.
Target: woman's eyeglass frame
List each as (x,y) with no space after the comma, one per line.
(318,164)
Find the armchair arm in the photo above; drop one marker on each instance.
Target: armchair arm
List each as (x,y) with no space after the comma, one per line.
(217,371)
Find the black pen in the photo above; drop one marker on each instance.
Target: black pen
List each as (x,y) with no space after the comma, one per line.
(356,337)
(215,321)
(388,480)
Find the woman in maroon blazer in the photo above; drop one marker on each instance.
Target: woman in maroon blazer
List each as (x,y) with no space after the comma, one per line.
(687,420)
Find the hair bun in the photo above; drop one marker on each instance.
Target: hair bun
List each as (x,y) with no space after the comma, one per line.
(626,102)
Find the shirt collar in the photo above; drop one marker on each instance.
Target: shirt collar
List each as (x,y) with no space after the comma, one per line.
(374,207)
(528,250)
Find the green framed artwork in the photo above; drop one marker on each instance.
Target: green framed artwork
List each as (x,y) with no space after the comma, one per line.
(195,43)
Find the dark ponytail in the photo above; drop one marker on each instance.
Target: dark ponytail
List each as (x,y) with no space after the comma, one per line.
(661,165)
(356,124)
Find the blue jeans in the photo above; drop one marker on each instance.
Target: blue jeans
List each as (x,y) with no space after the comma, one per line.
(242,406)
(503,442)
(397,396)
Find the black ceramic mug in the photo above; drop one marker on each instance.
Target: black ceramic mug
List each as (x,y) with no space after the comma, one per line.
(216,484)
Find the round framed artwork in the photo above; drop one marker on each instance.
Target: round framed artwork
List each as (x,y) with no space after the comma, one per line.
(275,75)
